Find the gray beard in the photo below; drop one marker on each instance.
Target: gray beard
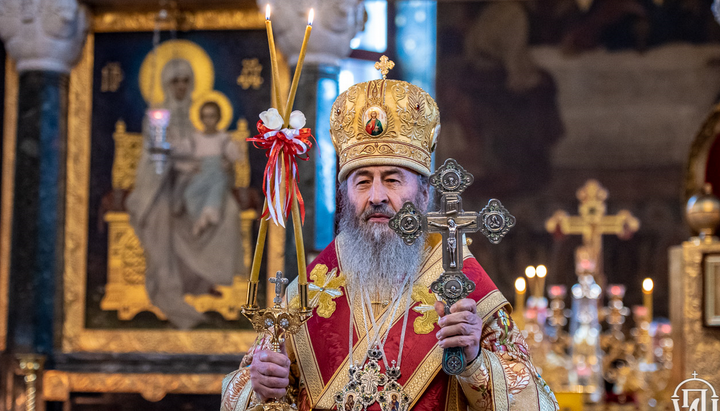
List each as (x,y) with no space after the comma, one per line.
(373,257)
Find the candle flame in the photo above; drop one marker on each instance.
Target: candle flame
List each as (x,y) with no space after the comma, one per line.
(530,271)
(541,271)
(267,12)
(311,15)
(520,285)
(647,285)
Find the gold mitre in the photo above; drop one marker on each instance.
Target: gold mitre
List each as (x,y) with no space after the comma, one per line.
(384,122)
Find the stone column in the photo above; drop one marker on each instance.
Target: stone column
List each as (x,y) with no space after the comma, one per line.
(45,39)
(336,23)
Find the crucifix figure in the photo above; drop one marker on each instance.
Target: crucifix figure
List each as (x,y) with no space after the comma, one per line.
(279,282)
(450,230)
(452,222)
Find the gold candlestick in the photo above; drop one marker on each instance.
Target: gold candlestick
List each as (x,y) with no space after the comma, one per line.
(278,322)
(647,287)
(519,310)
(530,274)
(541,272)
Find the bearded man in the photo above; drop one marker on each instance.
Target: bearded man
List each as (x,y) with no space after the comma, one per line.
(376,336)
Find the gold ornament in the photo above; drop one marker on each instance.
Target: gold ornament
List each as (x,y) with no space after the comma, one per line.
(384,122)
(703,212)
(277,322)
(226,109)
(426,323)
(151,69)
(323,290)
(384,65)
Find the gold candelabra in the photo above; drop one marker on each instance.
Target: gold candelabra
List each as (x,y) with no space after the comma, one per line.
(635,363)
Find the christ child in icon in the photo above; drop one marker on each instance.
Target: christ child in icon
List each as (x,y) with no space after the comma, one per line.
(213,153)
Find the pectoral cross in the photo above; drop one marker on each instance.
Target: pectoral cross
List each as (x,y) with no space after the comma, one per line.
(452,222)
(279,282)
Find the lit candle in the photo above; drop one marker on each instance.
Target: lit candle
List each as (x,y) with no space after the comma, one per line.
(541,271)
(530,274)
(519,311)
(298,68)
(274,70)
(647,287)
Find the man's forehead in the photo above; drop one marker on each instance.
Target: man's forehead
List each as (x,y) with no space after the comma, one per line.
(380,170)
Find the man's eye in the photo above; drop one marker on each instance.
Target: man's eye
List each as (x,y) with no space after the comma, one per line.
(392,180)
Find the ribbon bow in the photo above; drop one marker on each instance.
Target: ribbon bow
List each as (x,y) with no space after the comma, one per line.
(289,144)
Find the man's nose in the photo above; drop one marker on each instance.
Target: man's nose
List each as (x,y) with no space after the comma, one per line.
(378,193)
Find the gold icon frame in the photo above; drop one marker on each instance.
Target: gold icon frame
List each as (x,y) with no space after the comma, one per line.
(75,336)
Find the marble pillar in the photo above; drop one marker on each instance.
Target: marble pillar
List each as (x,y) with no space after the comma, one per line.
(336,23)
(45,40)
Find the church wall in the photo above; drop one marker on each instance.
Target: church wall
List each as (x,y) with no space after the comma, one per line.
(536,100)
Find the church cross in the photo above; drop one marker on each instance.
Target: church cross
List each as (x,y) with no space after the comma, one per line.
(592,223)
(384,65)
(279,281)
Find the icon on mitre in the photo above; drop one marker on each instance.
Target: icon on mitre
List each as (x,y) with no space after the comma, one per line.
(374,119)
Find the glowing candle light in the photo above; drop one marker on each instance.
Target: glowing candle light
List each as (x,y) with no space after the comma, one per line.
(647,287)
(519,310)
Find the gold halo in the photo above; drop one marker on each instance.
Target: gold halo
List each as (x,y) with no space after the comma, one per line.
(150,74)
(226,110)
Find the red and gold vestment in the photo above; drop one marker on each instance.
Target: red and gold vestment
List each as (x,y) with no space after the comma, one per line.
(502,377)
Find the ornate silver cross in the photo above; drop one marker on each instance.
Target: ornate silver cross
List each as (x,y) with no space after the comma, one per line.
(279,282)
(494,221)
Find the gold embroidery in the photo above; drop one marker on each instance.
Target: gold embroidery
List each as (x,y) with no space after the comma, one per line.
(321,395)
(430,270)
(498,383)
(425,323)
(305,354)
(323,290)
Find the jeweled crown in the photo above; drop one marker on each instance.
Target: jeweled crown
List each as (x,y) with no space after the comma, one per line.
(384,122)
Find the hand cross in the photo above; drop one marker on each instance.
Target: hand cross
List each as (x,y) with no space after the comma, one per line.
(279,281)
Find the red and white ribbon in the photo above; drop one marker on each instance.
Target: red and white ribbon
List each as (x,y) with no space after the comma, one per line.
(288,145)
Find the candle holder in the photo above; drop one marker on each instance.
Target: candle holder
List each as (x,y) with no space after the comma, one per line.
(277,322)
(158,147)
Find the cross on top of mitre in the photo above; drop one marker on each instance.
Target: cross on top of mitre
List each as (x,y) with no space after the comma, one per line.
(384,65)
